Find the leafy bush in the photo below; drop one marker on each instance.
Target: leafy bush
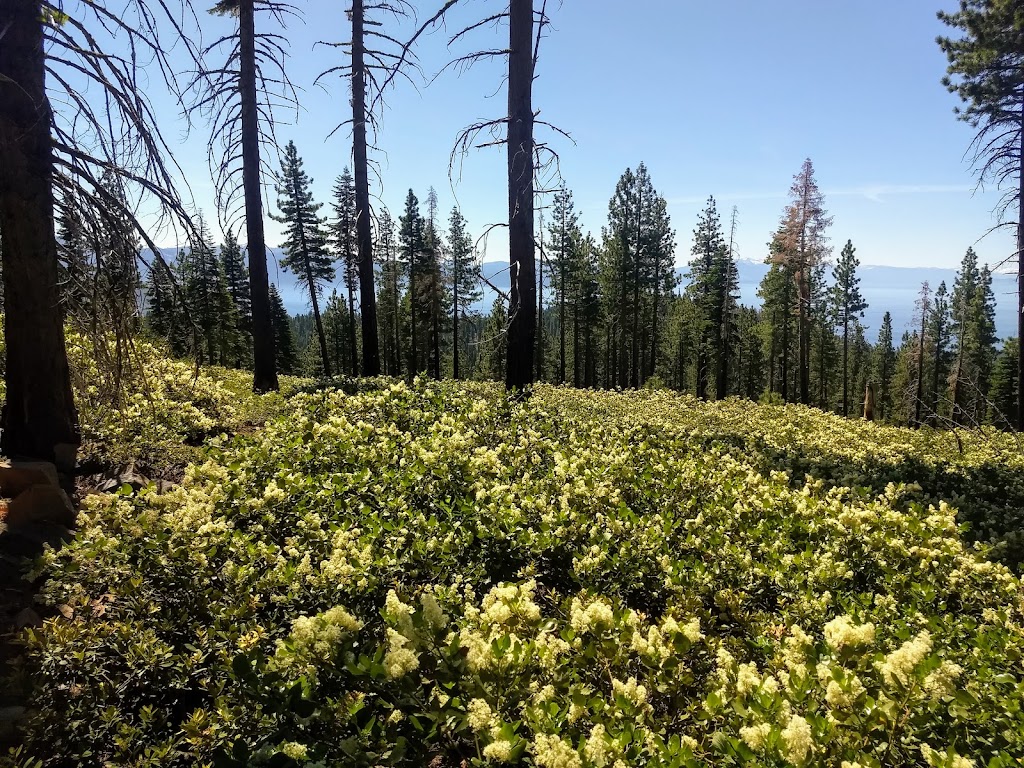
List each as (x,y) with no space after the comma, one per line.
(434,575)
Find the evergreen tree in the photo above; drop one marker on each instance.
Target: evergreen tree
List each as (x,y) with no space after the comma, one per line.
(431,297)
(848,305)
(305,244)
(465,279)
(496,341)
(885,362)
(802,245)
(343,237)
(706,291)
(410,237)
(236,281)
(1004,385)
(923,311)
(389,297)
(564,239)
(939,335)
(205,289)
(727,300)
(284,344)
(986,70)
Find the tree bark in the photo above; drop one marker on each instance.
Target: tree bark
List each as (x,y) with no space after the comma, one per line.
(264,362)
(846,358)
(523,321)
(1020,281)
(364,237)
(635,341)
(455,325)
(39,413)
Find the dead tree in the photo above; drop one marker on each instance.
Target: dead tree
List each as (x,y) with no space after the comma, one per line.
(51,159)
(523,156)
(238,96)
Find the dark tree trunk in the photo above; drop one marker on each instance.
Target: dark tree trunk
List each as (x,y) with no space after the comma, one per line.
(455,326)
(1020,283)
(576,378)
(321,336)
(846,357)
(540,307)
(722,379)
(364,238)
(656,303)
(353,349)
(39,413)
(522,327)
(263,352)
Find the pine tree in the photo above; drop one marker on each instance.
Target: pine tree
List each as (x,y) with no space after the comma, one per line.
(1004,385)
(410,236)
(986,70)
(204,287)
(496,340)
(803,245)
(236,281)
(885,362)
(923,311)
(465,278)
(705,289)
(431,284)
(848,305)
(728,303)
(284,344)
(343,239)
(939,335)
(564,239)
(305,244)
(389,296)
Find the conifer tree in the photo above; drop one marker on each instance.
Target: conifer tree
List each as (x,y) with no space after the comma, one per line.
(923,310)
(464,278)
(204,287)
(848,305)
(344,241)
(705,289)
(986,70)
(563,241)
(885,361)
(939,335)
(728,301)
(236,281)
(305,244)
(496,341)
(287,362)
(432,284)
(389,296)
(1004,385)
(410,236)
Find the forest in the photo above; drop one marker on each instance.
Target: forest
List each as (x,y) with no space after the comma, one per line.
(617,518)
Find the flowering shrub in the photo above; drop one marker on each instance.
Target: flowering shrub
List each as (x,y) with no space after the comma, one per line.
(433,575)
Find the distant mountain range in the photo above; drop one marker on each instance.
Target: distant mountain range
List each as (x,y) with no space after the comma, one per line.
(886,289)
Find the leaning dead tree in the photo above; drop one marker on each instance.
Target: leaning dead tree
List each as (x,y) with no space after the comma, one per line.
(514,130)
(76,131)
(370,62)
(239,97)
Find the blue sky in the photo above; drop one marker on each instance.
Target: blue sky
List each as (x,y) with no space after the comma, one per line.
(723,98)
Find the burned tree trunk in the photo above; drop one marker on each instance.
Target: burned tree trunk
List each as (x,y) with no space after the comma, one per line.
(39,414)
(264,363)
(523,316)
(364,238)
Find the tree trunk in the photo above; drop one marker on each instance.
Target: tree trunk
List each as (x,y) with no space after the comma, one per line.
(321,336)
(398,318)
(263,352)
(39,413)
(846,358)
(353,349)
(1020,282)
(576,378)
(455,326)
(364,237)
(540,305)
(522,327)
(435,332)
(413,356)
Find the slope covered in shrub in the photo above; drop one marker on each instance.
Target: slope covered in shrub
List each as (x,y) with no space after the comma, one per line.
(436,576)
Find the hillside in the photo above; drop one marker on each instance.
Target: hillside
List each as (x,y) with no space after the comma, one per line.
(389,574)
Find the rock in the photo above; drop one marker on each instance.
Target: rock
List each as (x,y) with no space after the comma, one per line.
(29,540)
(40,503)
(27,618)
(18,476)
(133,479)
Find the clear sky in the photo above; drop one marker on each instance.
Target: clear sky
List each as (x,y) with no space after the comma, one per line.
(717,98)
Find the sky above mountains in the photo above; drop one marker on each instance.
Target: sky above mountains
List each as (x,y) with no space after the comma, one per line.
(722,99)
